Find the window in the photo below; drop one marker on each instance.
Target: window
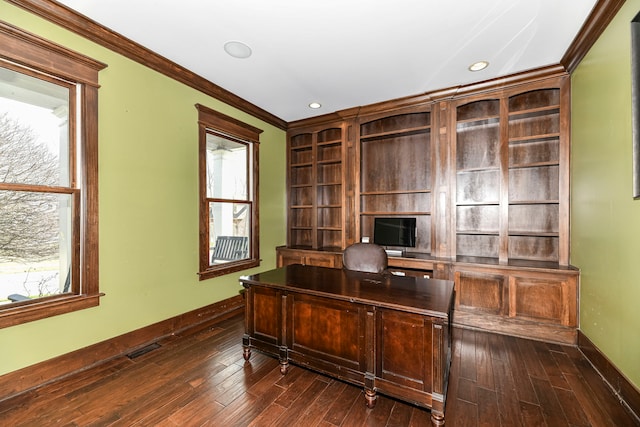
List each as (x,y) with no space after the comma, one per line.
(229,239)
(48,179)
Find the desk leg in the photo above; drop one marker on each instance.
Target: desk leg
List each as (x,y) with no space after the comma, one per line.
(284,360)
(246,348)
(370,397)
(437,419)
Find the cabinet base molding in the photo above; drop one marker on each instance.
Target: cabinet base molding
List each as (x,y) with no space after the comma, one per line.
(628,394)
(515,327)
(31,377)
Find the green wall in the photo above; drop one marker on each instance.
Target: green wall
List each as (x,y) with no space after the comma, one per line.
(148,193)
(605,220)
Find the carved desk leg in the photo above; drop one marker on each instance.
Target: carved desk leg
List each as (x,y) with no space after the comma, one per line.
(370,397)
(370,389)
(246,348)
(284,360)
(437,419)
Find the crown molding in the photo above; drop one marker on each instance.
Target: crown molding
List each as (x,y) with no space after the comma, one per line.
(601,16)
(73,21)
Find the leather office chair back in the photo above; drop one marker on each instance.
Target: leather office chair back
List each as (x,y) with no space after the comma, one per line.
(366,257)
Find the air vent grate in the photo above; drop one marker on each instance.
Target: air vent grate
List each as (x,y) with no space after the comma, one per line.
(144,350)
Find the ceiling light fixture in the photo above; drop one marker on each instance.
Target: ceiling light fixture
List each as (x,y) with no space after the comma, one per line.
(477,66)
(315,105)
(237,49)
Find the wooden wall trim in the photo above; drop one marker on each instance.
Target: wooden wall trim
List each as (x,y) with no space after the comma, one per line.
(25,379)
(624,389)
(453,92)
(73,21)
(601,15)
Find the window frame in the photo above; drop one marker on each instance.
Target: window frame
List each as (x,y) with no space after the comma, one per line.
(222,125)
(30,54)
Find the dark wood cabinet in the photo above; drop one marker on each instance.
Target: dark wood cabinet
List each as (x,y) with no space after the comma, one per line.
(287,256)
(485,172)
(520,300)
(388,334)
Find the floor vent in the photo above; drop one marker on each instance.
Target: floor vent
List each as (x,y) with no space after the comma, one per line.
(144,350)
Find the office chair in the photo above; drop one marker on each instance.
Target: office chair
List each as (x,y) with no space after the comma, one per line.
(365,257)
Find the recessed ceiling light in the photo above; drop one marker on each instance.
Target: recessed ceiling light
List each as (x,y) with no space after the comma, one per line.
(315,105)
(477,66)
(237,49)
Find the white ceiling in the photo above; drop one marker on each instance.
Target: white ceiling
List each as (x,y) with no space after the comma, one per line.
(345,53)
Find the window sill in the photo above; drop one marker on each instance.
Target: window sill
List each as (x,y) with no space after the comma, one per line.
(23,312)
(231,267)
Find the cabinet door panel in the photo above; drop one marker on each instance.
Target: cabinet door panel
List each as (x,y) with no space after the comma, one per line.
(545,300)
(480,292)
(325,329)
(321,260)
(267,314)
(404,354)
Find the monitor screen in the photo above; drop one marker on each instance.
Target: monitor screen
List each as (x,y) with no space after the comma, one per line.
(395,232)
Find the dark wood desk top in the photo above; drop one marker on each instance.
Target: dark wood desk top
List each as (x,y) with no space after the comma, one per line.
(416,295)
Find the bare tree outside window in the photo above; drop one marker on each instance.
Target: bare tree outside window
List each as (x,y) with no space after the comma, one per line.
(29,225)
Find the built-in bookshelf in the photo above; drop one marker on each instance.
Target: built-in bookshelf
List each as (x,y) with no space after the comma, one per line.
(510,186)
(316,187)
(478,179)
(395,172)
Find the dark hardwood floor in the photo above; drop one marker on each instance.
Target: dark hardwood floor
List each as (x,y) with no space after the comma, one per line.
(201,379)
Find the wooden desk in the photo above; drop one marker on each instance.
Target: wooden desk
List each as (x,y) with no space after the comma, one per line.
(386,333)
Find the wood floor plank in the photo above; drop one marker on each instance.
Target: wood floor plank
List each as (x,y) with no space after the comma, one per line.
(421,418)
(357,415)
(485,378)
(294,391)
(488,414)
(467,390)
(571,407)
(199,378)
(551,409)
(551,368)
(522,366)
(468,367)
(588,402)
(246,408)
(532,415)
(299,406)
(400,416)
(338,411)
(268,416)
(316,411)
(529,355)
(379,415)
(508,403)
(616,413)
